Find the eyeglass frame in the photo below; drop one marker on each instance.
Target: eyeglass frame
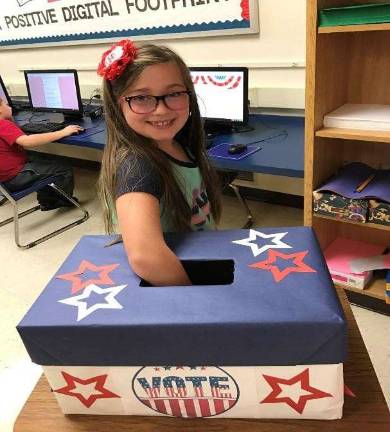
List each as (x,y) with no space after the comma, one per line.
(157,100)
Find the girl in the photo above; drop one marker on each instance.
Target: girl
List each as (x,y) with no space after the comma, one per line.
(155,164)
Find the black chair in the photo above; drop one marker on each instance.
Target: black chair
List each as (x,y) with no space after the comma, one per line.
(227,180)
(14,197)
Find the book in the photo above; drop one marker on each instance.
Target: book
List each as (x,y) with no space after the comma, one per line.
(355,14)
(360,116)
(341,252)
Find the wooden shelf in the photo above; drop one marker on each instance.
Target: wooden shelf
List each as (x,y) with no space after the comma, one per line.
(360,224)
(354,28)
(376,288)
(353,134)
(345,64)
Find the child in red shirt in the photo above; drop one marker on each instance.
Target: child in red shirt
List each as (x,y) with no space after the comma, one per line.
(18,169)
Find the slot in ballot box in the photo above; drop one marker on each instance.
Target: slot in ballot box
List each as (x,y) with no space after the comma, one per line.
(265,339)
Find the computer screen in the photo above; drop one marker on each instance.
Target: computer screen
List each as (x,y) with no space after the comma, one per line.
(54,91)
(3,93)
(222,94)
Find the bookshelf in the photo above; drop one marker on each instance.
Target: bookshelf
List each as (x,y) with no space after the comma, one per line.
(345,64)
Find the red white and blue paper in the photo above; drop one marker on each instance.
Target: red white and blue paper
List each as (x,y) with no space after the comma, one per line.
(296,392)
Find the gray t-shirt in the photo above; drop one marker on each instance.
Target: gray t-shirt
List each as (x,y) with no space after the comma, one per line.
(139,175)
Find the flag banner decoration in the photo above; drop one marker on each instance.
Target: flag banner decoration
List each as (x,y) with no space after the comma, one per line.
(296,392)
(275,321)
(26,23)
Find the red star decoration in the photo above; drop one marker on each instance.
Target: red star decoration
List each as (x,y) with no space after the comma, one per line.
(99,387)
(297,259)
(78,284)
(303,377)
(348,391)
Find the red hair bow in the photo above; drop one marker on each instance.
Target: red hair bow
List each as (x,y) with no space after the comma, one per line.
(115,60)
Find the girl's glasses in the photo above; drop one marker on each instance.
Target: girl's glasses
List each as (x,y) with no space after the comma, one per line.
(145,104)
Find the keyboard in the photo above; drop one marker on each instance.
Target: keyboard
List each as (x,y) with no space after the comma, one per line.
(43,127)
(21,106)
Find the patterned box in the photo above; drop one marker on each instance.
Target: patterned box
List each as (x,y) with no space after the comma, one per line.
(266,340)
(379,212)
(340,207)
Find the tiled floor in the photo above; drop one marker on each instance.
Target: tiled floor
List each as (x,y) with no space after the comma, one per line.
(25,273)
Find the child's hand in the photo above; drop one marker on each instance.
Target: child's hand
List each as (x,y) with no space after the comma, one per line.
(72,129)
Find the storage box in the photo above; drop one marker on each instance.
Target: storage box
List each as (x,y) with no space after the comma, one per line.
(266,340)
(379,212)
(340,207)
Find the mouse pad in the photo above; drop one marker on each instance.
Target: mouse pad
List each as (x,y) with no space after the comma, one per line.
(221,151)
(87,132)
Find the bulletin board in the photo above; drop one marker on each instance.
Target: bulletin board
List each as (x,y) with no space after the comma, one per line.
(31,23)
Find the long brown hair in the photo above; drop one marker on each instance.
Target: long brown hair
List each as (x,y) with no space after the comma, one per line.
(122,141)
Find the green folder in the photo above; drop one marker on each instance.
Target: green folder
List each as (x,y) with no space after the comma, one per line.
(359,14)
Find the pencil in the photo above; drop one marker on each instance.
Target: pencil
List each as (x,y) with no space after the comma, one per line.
(365,183)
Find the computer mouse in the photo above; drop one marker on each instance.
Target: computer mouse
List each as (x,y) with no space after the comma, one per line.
(237,148)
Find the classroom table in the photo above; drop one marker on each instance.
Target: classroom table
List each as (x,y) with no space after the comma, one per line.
(365,410)
(281,139)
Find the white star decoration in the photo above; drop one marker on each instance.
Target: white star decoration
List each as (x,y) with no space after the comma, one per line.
(83,309)
(276,242)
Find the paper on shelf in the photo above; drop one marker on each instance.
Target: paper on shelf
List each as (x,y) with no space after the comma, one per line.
(360,116)
(370,263)
(347,180)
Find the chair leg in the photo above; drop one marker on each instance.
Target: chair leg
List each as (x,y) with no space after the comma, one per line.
(18,215)
(243,202)
(58,231)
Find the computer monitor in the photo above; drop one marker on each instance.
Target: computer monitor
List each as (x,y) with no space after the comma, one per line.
(54,91)
(4,93)
(222,94)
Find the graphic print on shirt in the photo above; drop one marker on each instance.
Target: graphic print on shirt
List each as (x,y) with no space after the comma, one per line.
(200,208)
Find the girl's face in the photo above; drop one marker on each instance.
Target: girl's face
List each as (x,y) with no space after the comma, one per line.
(162,123)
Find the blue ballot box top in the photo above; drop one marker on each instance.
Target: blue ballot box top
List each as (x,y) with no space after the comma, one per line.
(277,305)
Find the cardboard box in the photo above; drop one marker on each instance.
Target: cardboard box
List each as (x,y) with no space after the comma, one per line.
(265,340)
(340,207)
(379,212)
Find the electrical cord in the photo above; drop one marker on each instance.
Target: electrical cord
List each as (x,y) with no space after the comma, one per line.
(94,95)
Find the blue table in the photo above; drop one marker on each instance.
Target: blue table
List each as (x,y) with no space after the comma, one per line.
(281,139)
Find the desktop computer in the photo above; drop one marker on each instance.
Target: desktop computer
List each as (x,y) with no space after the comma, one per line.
(222,94)
(54,91)
(4,93)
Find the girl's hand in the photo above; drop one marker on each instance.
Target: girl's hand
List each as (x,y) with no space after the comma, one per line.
(72,129)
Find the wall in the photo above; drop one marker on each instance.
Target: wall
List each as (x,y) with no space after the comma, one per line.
(275,57)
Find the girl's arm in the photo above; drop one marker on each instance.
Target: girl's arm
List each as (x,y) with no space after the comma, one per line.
(148,254)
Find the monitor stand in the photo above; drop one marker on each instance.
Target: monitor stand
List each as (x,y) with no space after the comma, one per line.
(213,130)
(69,118)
